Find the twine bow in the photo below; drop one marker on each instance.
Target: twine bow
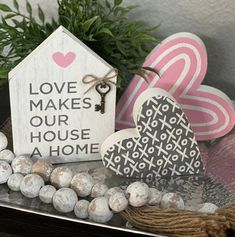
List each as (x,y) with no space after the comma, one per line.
(94,80)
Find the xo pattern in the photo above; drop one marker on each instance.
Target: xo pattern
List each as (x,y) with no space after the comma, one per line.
(166,144)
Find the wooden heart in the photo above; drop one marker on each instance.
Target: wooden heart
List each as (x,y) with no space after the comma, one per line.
(162,144)
(181,61)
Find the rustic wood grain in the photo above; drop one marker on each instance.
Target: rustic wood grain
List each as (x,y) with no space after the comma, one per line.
(66,82)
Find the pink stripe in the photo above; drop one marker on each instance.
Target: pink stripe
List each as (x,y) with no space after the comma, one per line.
(169,79)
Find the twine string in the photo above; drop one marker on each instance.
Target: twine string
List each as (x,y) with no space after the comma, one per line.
(182,223)
(94,80)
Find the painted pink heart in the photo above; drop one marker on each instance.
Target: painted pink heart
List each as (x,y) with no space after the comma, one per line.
(181,61)
(63,60)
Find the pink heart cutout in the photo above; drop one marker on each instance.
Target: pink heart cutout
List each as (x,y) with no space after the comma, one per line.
(63,60)
(181,60)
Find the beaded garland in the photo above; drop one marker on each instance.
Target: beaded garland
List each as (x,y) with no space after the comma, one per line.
(67,192)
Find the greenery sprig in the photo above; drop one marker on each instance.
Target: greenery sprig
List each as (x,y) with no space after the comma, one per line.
(103,25)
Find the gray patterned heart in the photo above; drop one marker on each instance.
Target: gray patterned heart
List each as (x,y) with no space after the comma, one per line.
(162,144)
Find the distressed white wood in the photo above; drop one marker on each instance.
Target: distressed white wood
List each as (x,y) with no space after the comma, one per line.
(161,144)
(38,68)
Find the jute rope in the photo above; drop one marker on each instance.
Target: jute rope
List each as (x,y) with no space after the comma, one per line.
(182,223)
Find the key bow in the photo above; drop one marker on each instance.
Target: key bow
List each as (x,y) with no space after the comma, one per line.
(103,86)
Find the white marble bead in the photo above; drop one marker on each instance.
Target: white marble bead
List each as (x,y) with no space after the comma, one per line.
(46,193)
(118,202)
(43,168)
(99,210)
(208,208)
(138,194)
(172,200)
(31,185)
(98,190)
(82,184)
(14,181)
(155,197)
(112,191)
(64,200)
(7,155)
(3,141)
(5,171)
(81,209)
(61,177)
(22,164)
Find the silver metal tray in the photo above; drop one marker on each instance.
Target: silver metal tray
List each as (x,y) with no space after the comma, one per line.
(194,190)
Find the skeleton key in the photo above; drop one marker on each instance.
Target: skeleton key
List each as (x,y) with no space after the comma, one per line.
(103,89)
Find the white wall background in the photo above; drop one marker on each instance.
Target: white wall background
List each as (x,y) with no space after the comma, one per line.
(212,20)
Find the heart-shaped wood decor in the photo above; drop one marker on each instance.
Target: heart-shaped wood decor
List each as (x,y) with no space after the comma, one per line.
(181,63)
(162,144)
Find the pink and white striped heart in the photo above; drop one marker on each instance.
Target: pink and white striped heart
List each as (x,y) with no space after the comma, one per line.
(181,61)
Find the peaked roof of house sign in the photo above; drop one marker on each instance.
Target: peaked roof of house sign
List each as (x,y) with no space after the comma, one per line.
(60,30)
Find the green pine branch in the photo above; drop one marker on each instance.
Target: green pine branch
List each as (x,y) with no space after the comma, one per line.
(102,25)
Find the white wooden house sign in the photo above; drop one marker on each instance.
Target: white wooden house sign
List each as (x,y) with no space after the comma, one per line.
(56,107)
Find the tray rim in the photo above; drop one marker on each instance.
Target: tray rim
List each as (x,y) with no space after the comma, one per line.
(17,207)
